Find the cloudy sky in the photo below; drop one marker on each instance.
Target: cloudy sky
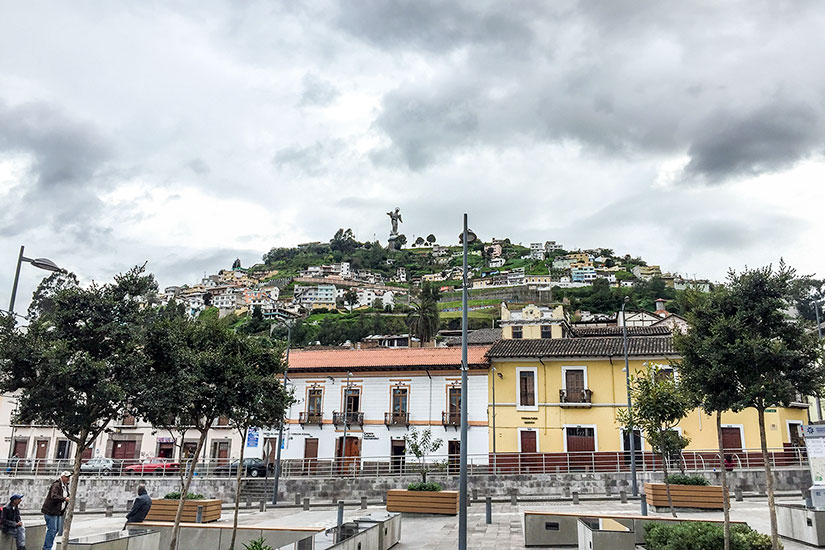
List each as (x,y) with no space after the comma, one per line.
(188,133)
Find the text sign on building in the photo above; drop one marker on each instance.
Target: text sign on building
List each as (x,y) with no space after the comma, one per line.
(815,443)
(252,437)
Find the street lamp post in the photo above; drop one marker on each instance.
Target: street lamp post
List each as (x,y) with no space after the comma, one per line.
(281,427)
(494,419)
(634,487)
(40,263)
(466,237)
(819,331)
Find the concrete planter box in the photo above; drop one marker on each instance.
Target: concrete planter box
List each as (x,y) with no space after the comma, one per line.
(422,502)
(796,522)
(164,510)
(132,539)
(706,497)
(594,534)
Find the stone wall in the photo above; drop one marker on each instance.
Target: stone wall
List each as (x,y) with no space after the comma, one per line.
(100,492)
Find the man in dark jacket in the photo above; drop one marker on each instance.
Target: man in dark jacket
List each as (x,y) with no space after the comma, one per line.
(141,506)
(54,507)
(11,523)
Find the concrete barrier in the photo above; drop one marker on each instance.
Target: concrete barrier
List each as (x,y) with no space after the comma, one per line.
(130,539)
(35,535)
(604,534)
(796,522)
(216,536)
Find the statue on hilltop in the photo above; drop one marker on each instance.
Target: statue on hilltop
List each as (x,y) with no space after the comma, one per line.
(395,217)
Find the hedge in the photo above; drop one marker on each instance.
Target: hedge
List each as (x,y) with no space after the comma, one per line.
(418,486)
(703,536)
(679,479)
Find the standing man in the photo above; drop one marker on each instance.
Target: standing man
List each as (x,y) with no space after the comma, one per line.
(11,522)
(54,507)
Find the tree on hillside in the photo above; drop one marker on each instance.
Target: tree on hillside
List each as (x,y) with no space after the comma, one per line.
(659,403)
(195,362)
(768,357)
(400,240)
(423,319)
(344,241)
(419,241)
(431,238)
(350,297)
(236,264)
(259,400)
(71,366)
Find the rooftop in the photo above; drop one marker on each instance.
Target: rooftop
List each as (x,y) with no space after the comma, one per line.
(637,346)
(386,358)
(588,332)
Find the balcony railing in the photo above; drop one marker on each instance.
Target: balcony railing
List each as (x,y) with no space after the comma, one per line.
(397,419)
(575,398)
(310,418)
(348,418)
(451,418)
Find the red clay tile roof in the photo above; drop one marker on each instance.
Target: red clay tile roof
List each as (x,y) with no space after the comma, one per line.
(384,358)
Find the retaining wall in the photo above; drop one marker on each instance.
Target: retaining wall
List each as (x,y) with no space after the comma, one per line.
(100,492)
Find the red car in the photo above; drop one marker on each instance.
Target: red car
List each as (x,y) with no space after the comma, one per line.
(153,466)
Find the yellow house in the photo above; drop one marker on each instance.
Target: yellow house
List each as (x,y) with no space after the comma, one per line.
(561,394)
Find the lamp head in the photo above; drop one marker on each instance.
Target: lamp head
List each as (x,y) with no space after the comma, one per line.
(47,264)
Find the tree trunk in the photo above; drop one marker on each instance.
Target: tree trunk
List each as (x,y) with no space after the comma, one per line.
(173,542)
(67,522)
(667,484)
(768,478)
(725,496)
(238,490)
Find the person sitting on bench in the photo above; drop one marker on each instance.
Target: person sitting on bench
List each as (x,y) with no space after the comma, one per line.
(11,524)
(140,508)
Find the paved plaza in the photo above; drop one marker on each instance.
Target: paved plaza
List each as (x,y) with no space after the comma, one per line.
(427,532)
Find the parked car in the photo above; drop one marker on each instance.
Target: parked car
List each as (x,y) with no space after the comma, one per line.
(101,465)
(155,465)
(253,467)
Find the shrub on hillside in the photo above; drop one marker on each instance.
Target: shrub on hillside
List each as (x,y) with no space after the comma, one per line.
(703,536)
(419,486)
(680,479)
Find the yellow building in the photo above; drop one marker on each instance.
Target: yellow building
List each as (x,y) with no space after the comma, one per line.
(533,322)
(561,394)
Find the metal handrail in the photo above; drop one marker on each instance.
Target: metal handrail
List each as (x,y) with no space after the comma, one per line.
(398,418)
(349,417)
(310,417)
(451,418)
(388,465)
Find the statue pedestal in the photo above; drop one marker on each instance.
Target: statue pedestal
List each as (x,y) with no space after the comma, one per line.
(391,242)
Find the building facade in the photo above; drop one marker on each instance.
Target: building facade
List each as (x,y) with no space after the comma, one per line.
(561,395)
(359,404)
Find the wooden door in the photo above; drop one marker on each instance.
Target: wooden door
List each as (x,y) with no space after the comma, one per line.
(637,446)
(310,455)
(574,385)
(528,441)
(581,442)
(731,439)
(87,453)
(123,450)
(454,405)
(41,450)
(20,448)
(221,451)
(454,457)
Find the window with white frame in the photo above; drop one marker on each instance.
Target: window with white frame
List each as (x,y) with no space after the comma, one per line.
(526,391)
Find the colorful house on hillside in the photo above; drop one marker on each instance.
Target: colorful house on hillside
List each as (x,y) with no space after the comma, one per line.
(556,399)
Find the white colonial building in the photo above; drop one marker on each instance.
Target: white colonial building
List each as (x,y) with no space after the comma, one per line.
(374,397)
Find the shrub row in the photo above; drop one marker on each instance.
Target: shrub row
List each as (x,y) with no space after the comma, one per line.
(703,536)
(175,495)
(679,479)
(419,486)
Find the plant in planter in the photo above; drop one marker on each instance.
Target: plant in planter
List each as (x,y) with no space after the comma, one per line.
(681,479)
(420,444)
(257,544)
(435,487)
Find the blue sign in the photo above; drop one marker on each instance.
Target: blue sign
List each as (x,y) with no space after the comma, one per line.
(252,437)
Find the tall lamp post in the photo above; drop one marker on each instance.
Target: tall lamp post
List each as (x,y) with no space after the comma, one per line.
(819,330)
(634,487)
(466,237)
(40,263)
(281,427)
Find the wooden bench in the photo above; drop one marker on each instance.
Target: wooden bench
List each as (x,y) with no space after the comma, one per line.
(547,528)
(214,536)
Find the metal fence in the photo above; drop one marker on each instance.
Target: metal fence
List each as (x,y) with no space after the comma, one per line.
(380,466)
